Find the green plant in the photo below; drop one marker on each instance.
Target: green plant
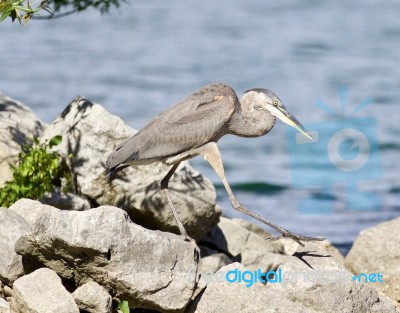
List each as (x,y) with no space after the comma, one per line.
(23,10)
(123,307)
(38,170)
(19,9)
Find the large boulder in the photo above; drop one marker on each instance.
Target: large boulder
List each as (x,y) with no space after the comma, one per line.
(310,281)
(226,297)
(150,269)
(313,277)
(17,123)
(42,292)
(90,133)
(12,226)
(377,250)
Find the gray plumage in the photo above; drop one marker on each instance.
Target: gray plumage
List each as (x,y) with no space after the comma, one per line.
(206,115)
(193,126)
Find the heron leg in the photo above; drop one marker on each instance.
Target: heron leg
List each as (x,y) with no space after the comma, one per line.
(211,153)
(182,230)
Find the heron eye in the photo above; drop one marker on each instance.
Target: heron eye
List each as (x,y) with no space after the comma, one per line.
(275,103)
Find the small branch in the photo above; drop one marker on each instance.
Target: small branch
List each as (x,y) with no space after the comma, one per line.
(53,16)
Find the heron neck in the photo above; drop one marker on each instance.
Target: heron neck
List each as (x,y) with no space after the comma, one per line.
(248,122)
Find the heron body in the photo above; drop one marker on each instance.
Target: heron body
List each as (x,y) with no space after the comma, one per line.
(205,116)
(192,127)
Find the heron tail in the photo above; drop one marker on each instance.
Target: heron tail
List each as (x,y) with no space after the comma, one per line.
(113,171)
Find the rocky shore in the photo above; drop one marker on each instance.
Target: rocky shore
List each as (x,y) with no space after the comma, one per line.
(116,241)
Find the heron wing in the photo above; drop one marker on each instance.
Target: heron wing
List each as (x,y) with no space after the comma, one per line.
(188,124)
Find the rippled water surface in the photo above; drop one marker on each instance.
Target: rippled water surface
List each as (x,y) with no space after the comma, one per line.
(149,54)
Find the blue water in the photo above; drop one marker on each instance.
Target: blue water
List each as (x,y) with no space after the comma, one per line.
(147,55)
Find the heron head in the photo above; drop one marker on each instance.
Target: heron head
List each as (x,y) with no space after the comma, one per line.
(266,100)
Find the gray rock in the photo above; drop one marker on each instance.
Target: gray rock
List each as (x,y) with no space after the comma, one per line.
(222,296)
(7,291)
(90,133)
(252,227)
(311,281)
(17,123)
(12,226)
(286,245)
(377,250)
(332,250)
(92,298)
(65,201)
(244,246)
(42,291)
(30,210)
(290,247)
(276,244)
(208,266)
(214,262)
(4,306)
(150,269)
(314,278)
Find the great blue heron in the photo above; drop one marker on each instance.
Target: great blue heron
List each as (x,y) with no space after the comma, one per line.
(192,127)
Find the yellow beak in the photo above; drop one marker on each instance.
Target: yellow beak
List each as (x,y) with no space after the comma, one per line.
(289,119)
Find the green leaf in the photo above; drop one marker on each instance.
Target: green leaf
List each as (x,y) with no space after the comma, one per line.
(123,307)
(6,12)
(24,172)
(18,2)
(25,9)
(15,188)
(55,141)
(28,160)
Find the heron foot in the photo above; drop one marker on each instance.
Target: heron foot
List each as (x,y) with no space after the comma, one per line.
(296,237)
(196,247)
(284,232)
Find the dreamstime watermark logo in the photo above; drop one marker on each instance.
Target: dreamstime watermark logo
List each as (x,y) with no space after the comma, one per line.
(249,278)
(345,151)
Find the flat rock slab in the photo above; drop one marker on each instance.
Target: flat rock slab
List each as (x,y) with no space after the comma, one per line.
(150,269)
(42,292)
(90,134)
(12,226)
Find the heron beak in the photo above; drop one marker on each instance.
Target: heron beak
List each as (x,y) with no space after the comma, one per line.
(286,117)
